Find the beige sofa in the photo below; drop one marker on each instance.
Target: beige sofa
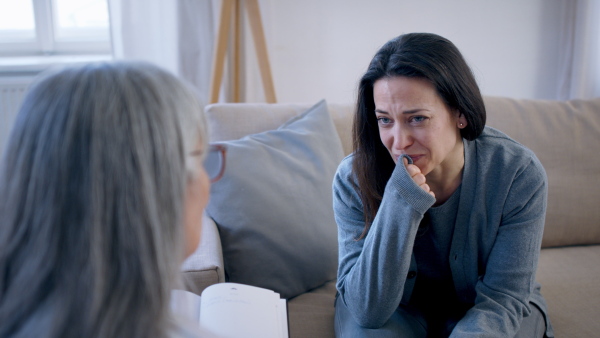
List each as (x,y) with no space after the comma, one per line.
(566,138)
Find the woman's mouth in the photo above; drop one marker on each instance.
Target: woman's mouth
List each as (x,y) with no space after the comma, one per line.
(415,158)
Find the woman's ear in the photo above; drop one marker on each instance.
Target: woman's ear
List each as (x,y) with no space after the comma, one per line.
(462,121)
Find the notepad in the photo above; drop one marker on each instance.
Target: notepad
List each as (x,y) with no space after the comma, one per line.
(235,310)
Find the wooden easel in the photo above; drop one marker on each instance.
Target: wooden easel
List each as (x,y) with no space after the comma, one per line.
(235,7)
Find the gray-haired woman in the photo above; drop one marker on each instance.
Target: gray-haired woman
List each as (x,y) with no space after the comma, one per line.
(102,189)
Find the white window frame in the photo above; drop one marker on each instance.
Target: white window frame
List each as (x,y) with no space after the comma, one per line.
(44,42)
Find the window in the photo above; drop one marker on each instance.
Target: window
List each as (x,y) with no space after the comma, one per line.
(54,27)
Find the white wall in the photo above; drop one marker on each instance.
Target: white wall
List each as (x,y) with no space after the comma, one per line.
(320,48)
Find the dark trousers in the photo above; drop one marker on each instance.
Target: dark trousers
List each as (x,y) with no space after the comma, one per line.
(407,324)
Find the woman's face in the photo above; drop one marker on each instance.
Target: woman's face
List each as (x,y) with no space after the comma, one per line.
(414,120)
(196,199)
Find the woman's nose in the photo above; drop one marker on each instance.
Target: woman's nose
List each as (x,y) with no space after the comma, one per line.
(402,139)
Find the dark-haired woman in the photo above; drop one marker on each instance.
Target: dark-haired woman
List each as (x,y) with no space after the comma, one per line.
(440,218)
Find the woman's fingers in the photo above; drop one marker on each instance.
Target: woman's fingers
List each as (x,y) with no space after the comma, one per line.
(417,176)
(414,171)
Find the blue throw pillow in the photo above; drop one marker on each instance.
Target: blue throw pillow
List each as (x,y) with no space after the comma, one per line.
(273,206)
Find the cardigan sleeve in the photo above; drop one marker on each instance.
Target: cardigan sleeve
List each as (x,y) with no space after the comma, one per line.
(372,271)
(504,289)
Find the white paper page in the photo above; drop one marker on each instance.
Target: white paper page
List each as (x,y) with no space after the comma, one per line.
(283,318)
(186,304)
(237,310)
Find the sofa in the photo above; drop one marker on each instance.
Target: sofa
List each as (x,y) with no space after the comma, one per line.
(565,135)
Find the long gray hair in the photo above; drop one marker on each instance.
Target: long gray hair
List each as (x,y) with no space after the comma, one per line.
(92,189)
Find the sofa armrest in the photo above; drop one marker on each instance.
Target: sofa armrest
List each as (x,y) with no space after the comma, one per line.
(205,266)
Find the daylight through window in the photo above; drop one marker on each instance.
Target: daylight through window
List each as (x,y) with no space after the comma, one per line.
(50,27)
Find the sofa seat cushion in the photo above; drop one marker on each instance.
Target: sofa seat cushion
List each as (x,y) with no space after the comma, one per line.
(569,278)
(205,266)
(568,275)
(311,314)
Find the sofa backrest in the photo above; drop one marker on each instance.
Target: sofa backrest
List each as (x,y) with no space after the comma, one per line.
(231,121)
(565,136)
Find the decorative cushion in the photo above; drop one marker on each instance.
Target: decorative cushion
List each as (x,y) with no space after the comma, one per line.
(273,206)
(231,121)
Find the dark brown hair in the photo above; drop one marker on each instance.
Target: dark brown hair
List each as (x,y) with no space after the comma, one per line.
(415,55)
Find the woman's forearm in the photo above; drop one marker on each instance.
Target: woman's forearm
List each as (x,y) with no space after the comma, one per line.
(373,271)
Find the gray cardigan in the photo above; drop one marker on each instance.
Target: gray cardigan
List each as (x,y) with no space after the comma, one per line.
(494,250)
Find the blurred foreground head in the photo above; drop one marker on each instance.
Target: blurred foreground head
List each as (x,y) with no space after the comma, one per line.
(92,195)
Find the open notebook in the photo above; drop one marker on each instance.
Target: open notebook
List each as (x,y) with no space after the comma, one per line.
(234,310)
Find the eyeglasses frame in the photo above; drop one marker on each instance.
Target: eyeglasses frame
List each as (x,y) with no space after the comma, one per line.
(215,147)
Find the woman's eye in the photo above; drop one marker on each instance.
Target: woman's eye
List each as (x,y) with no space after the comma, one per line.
(418,119)
(384,120)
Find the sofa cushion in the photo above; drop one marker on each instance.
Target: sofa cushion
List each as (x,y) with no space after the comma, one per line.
(231,121)
(568,277)
(311,314)
(273,206)
(204,267)
(565,136)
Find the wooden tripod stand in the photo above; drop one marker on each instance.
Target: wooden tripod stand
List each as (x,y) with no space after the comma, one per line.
(235,7)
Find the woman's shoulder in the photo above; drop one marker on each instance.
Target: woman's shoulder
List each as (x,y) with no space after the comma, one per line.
(344,170)
(496,151)
(492,137)
(344,182)
(494,142)
(346,163)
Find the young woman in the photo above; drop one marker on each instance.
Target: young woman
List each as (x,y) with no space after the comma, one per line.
(102,189)
(440,218)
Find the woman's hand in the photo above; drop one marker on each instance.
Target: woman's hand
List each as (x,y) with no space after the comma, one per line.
(417,176)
